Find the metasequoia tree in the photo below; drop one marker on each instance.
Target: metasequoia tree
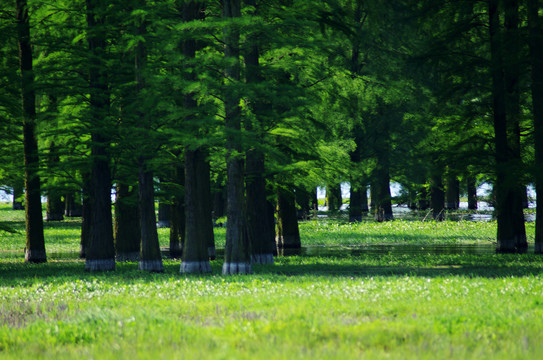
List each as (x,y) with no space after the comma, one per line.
(236,257)
(35,242)
(100,254)
(198,244)
(511,235)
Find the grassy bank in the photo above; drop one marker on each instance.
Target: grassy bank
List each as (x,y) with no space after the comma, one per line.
(408,306)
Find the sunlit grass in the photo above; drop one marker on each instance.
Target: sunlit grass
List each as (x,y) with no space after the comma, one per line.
(342,306)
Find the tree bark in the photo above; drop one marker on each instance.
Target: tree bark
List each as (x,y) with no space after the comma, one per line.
(18,194)
(85,216)
(511,236)
(177,212)
(199,239)
(381,199)
(100,255)
(472,192)
(54,206)
(236,259)
(127,231)
(288,233)
(535,27)
(453,192)
(35,242)
(150,257)
(437,196)
(198,216)
(333,197)
(260,232)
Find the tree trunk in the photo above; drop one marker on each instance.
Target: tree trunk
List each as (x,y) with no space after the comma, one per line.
(18,195)
(127,231)
(511,235)
(198,220)
(260,232)
(453,192)
(381,200)
(177,212)
(150,257)
(288,233)
(236,258)
(315,200)
(535,27)
(72,204)
(472,193)
(437,197)
(85,216)
(164,215)
(100,254)
(55,206)
(35,243)
(333,197)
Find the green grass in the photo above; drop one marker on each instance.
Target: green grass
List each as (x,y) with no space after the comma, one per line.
(364,306)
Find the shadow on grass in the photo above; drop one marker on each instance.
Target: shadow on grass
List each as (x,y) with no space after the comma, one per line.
(14,272)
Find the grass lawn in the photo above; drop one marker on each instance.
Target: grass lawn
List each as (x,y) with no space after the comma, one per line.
(399,306)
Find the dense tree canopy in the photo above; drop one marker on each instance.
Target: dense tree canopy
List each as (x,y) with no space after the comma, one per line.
(262,101)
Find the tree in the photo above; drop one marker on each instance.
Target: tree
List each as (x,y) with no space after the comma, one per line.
(236,258)
(535,37)
(100,254)
(35,242)
(511,232)
(198,243)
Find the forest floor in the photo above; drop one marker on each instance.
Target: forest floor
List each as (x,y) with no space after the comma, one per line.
(364,297)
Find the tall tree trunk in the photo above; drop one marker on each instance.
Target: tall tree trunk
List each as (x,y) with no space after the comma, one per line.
(511,235)
(101,250)
(18,194)
(315,200)
(198,220)
(453,192)
(381,199)
(199,238)
(177,211)
(288,233)
(73,206)
(472,192)
(236,258)
(164,215)
(260,232)
(35,243)
(85,216)
(333,197)
(535,26)
(127,231)
(54,206)
(437,196)
(150,257)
